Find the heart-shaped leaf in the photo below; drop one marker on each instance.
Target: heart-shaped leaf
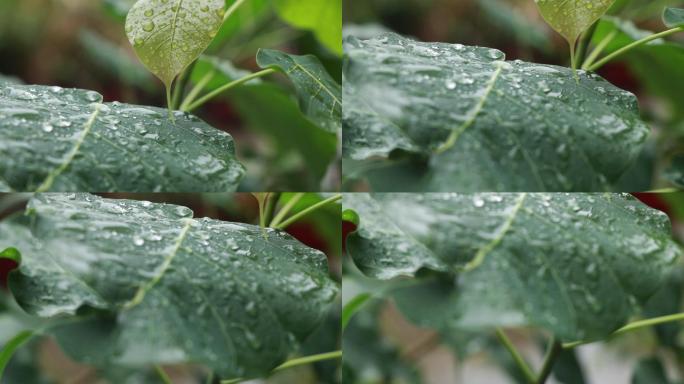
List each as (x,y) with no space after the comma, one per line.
(444,117)
(571,263)
(149,284)
(168,35)
(68,140)
(320,97)
(673,17)
(572,17)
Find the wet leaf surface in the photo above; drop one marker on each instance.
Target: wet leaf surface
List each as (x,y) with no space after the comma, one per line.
(575,264)
(320,97)
(56,139)
(147,283)
(673,17)
(572,17)
(168,35)
(478,123)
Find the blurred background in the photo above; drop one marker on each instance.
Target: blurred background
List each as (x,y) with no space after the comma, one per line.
(382,347)
(655,72)
(82,44)
(42,362)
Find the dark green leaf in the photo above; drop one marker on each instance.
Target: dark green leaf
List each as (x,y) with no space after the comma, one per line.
(147,283)
(573,264)
(67,140)
(369,358)
(450,117)
(567,368)
(650,371)
(673,17)
(266,108)
(320,97)
(169,35)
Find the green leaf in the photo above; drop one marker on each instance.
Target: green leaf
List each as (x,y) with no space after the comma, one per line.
(68,140)
(270,110)
(438,117)
(656,64)
(649,371)
(572,17)
(673,17)
(572,264)
(322,17)
(111,58)
(148,284)
(320,97)
(169,35)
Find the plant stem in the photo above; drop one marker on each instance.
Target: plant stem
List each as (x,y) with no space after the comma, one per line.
(584,42)
(164,377)
(632,326)
(598,49)
(353,306)
(308,210)
(555,347)
(11,346)
(286,209)
(181,83)
(295,362)
(196,89)
(271,202)
(226,87)
(633,45)
(169,102)
(232,9)
(519,361)
(573,62)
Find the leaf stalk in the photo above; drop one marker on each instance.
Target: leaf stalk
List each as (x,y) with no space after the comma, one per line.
(295,362)
(517,358)
(226,87)
(307,211)
(633,45)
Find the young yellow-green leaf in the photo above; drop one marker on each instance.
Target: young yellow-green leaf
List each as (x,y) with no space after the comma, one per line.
(572,17)
(168,35)
(673,17)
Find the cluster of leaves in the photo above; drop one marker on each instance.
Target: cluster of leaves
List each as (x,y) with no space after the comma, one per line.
(461,118)
(147,284)
(169,37)
(577,266)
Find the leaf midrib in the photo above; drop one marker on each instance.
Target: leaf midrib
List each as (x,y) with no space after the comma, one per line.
(161,270)
(50,179)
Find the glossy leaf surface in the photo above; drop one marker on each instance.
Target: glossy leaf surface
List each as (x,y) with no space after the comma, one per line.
(574,264)
(56,139)
(457,118)
(150,284)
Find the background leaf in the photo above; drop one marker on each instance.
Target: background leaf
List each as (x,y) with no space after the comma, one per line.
(67,140)
(149,284)
(322,17)
(320,97)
